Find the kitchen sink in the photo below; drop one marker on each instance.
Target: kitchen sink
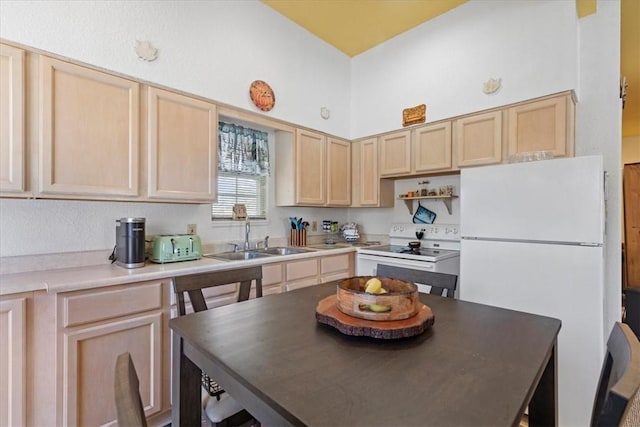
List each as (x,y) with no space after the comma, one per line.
(237,256)
(330,245)
(257,253)
(281,251)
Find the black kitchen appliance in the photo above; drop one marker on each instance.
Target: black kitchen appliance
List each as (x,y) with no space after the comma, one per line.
(129,251)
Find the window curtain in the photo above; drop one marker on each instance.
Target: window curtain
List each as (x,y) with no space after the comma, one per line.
(242,150)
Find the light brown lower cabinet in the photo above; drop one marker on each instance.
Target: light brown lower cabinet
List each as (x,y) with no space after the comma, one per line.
(75,337)
(336,267)
(272,279)
(13,362)
(98,325)
(312,271)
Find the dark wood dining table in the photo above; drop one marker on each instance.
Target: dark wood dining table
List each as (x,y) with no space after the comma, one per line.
(477,365)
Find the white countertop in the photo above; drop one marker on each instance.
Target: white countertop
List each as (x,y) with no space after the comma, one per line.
(95,276)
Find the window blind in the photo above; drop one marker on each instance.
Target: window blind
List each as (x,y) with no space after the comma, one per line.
(233,187)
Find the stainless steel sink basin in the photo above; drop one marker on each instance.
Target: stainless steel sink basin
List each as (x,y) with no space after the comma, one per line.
(281,251)
(330,245)
(237,256)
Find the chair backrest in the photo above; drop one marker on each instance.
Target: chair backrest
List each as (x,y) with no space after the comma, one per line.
(127,393)
(619,380)
(194,284)
(438,281)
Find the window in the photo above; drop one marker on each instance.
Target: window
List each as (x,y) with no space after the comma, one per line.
(243,169)
(233,187)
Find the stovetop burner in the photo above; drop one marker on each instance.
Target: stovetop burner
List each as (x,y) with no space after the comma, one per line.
(420,251)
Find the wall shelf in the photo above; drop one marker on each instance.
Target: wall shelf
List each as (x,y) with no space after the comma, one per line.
(445,199)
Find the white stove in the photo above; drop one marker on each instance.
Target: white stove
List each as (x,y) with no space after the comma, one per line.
(439,250)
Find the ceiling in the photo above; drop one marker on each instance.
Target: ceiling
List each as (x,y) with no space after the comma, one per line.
(354,26)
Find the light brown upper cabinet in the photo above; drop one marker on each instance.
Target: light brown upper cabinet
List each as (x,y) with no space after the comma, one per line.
(338,172)
(89,132)
(311,178)
(312,169)
(300,168)
(395,154)
(413,152)
(182,146)
(431,147)
(12,124)
(478,139)
(544,125)
(368,188)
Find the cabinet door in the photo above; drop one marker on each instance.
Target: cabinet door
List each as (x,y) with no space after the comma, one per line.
(12,136)
(97,325)
(366,182)
(369,176)
(338,172)
(183,147)
(395,154)
(90,355)
(432,147)
(272,279)
(12,362)
(478,139)
(89,139)
(541,126)
(310,168)
(336,267)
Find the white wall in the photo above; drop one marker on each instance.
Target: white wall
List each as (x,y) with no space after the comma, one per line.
(531,45)
(599,131)
(214,49)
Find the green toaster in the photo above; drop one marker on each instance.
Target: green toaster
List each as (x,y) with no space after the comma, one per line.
(175,247)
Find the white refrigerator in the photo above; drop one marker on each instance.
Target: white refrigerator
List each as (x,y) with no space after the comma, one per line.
(532,240)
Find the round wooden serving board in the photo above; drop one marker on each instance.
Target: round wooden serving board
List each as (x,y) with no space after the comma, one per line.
(327,313)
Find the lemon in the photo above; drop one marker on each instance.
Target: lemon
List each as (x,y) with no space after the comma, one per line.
(373,286)
(379,308)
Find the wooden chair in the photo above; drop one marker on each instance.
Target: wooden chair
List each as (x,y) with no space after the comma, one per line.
(127,393)
(221,408)
(438,281)
(617,401)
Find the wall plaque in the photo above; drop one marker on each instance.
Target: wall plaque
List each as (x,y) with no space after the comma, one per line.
(414,115)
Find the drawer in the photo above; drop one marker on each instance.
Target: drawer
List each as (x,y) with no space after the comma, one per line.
(302,269)
(92,306)
(332,264)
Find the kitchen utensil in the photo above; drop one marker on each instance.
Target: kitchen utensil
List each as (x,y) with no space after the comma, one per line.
(423,215)
(129,249)
(176,247)
(401,299)
(327,313)
(414,245)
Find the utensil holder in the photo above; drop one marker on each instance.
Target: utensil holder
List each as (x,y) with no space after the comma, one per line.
(298,237)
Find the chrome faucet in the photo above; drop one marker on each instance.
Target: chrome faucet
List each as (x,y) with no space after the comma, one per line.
(247,229)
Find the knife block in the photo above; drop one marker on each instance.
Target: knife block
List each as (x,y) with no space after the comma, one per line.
(298,237)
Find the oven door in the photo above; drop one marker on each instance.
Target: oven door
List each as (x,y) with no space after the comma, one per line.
(366,265)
